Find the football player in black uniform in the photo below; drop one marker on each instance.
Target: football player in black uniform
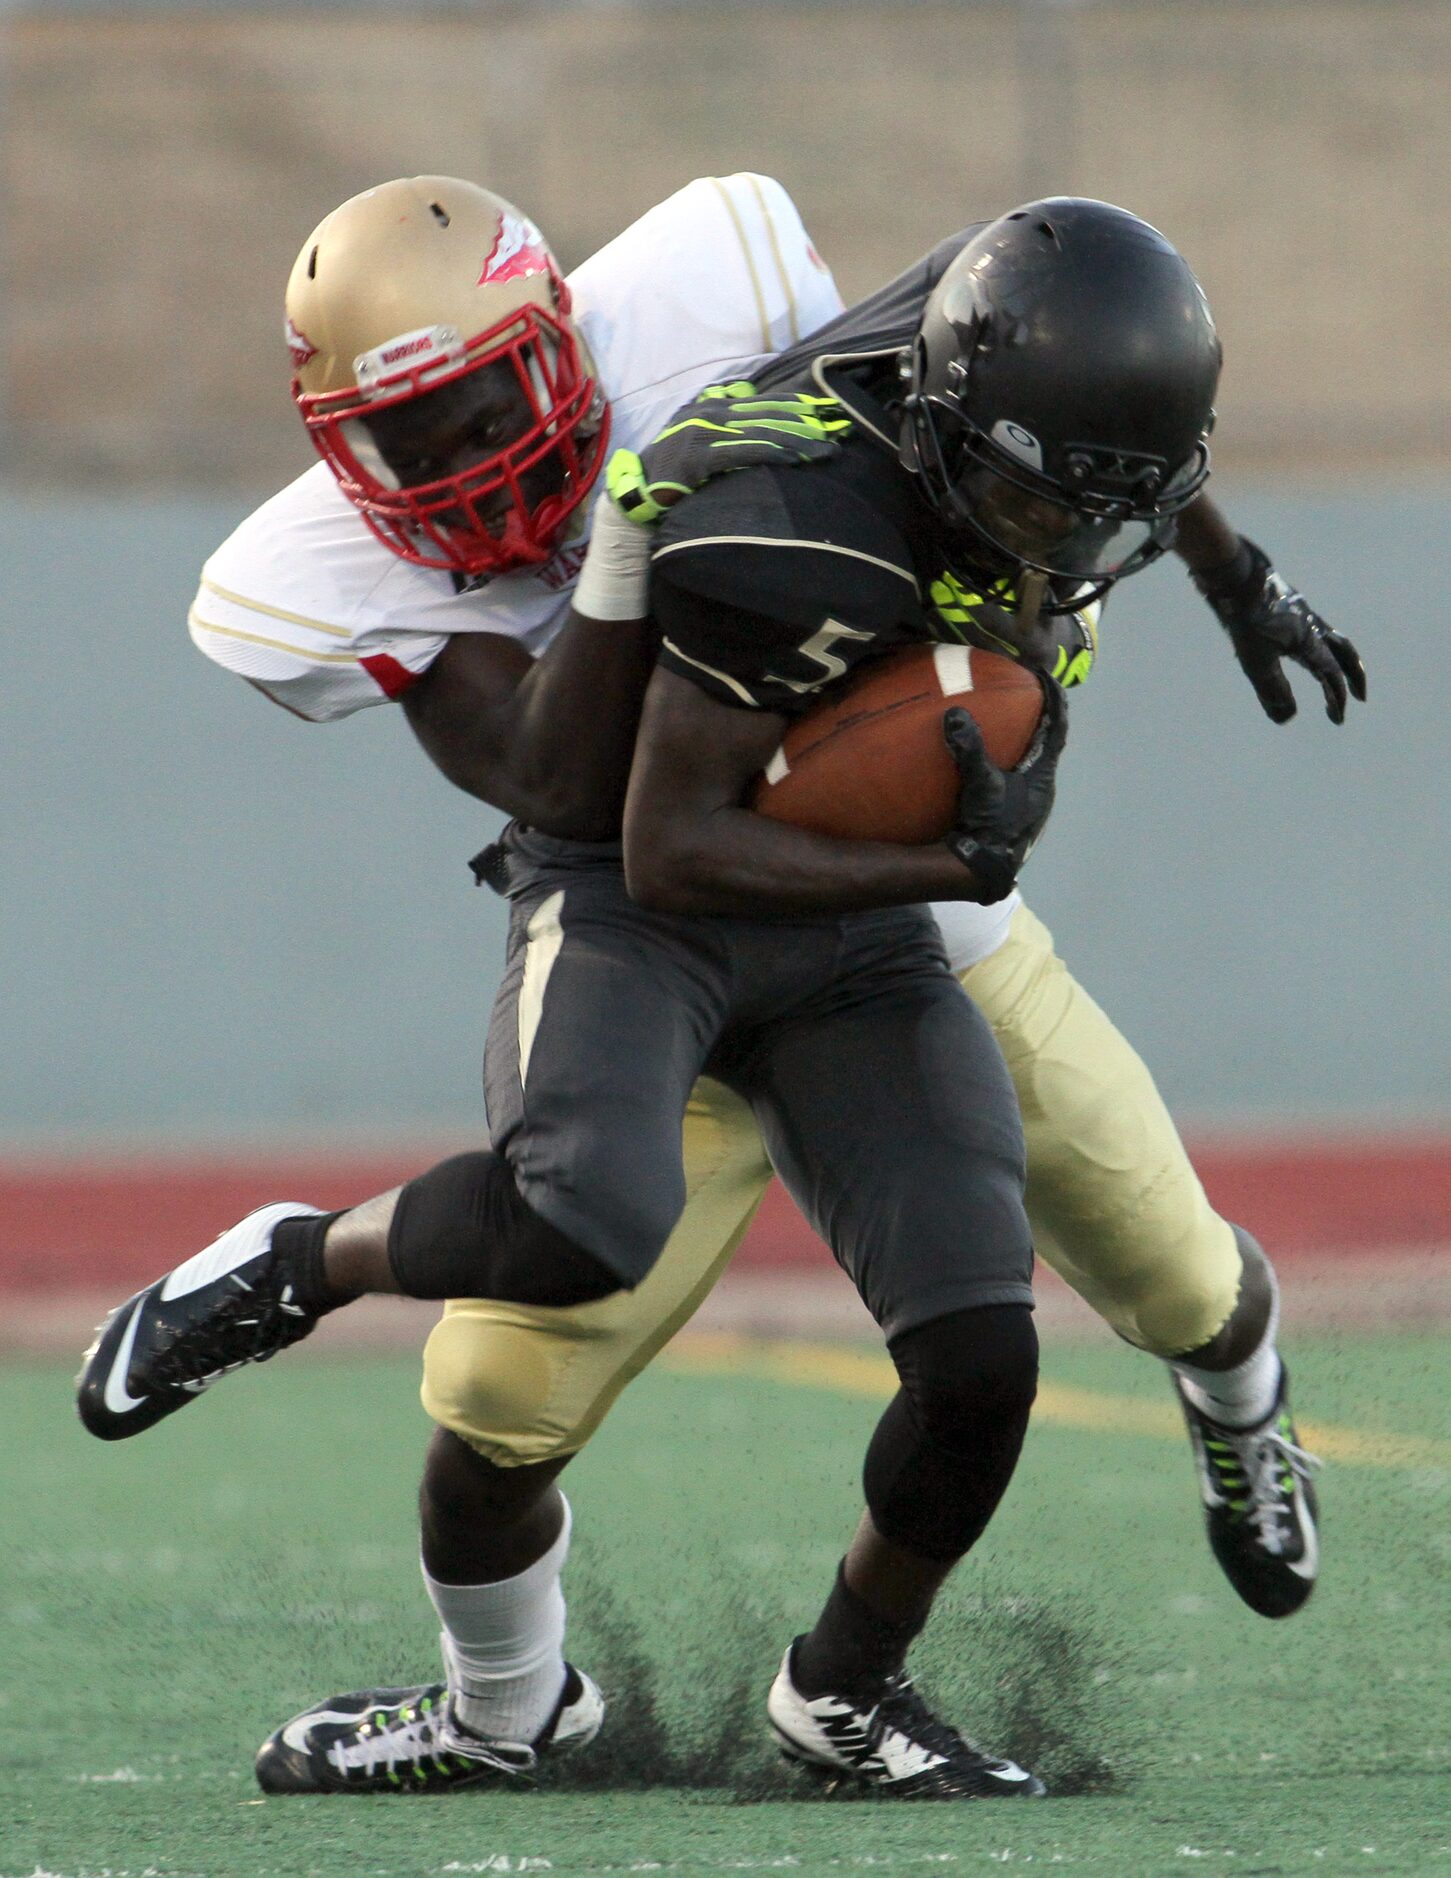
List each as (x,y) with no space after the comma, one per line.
(1030,412)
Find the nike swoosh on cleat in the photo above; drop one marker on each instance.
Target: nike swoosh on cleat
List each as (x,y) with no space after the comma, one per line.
(1008,1770)
(118,1398)
(1309,1565)
(295,1734)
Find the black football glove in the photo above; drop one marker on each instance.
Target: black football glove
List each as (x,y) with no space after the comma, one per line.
(1001,813)
(1268,621)
(725,427)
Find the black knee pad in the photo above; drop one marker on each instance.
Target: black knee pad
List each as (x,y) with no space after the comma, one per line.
(945,1450)
(462,1230)
(969,1369)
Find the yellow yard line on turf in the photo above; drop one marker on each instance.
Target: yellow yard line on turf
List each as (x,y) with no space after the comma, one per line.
(866,1373)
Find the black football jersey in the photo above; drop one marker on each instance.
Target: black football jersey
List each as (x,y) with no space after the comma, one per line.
(770,583)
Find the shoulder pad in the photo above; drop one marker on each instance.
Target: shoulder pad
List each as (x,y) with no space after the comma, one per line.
(789,545)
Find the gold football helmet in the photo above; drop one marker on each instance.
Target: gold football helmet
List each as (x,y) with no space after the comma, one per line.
(438,374)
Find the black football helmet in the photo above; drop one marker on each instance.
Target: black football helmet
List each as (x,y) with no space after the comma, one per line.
(1060,394)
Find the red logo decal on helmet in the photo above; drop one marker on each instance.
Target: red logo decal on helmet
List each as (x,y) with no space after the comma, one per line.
(518,251)
(406,349)
(299,345)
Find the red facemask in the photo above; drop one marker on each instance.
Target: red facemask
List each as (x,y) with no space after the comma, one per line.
(507,509)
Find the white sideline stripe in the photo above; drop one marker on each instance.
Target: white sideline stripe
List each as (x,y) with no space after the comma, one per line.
(781,541)
(701,666)
(546,936)
(778,766)
(954,668)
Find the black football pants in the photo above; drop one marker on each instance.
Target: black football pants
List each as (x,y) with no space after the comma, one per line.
(877,1086)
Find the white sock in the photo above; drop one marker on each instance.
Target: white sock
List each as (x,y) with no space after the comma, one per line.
(503,1645)
(1245,1395)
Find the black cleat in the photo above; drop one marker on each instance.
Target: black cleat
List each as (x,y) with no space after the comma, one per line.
(407,1741)
(228,1305)
(1259,1505)
(894,1746)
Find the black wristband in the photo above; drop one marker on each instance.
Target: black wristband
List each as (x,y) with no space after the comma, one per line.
(994,869)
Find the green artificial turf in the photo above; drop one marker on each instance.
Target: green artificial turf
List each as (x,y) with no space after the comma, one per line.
(166,1602)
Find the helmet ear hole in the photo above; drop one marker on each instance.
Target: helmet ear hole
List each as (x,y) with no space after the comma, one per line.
(312,264)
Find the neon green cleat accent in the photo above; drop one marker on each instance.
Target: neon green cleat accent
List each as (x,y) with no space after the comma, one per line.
(1260,1508)
(407,1741)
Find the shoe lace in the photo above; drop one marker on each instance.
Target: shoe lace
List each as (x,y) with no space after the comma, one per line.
(515,1758)
(902,1708)
(388,1740)
(958,1764)
(1258,1472)
(261,1314)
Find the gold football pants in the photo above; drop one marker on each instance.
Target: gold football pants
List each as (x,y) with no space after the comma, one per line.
(1116,1209)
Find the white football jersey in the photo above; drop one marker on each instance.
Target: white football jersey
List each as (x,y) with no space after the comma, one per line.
(305,602)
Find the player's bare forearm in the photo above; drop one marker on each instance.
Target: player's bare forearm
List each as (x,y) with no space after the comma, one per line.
(546,739)
(691,848)
(1205,538)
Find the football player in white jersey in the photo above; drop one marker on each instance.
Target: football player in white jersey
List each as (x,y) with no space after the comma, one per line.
(463,398)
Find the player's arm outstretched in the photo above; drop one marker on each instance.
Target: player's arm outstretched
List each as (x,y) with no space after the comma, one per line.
(691,848)
(1266,619)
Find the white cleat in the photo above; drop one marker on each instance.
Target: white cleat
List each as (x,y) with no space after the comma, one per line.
(893,1744)
(226,1306)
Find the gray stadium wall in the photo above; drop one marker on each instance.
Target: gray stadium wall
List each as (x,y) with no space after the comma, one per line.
(221,924)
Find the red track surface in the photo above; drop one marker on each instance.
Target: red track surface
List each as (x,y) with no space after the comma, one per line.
(83,1223)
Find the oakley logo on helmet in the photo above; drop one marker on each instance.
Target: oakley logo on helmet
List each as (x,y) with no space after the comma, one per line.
(1018,442)
(433,347)
(299,345)
(518,251)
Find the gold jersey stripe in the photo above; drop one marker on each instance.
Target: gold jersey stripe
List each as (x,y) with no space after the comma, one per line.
(701,666)
(274,612)
(194,618)
(736,223)
(779,541)
(781,272)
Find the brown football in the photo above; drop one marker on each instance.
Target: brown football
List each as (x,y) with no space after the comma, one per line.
(870,763)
